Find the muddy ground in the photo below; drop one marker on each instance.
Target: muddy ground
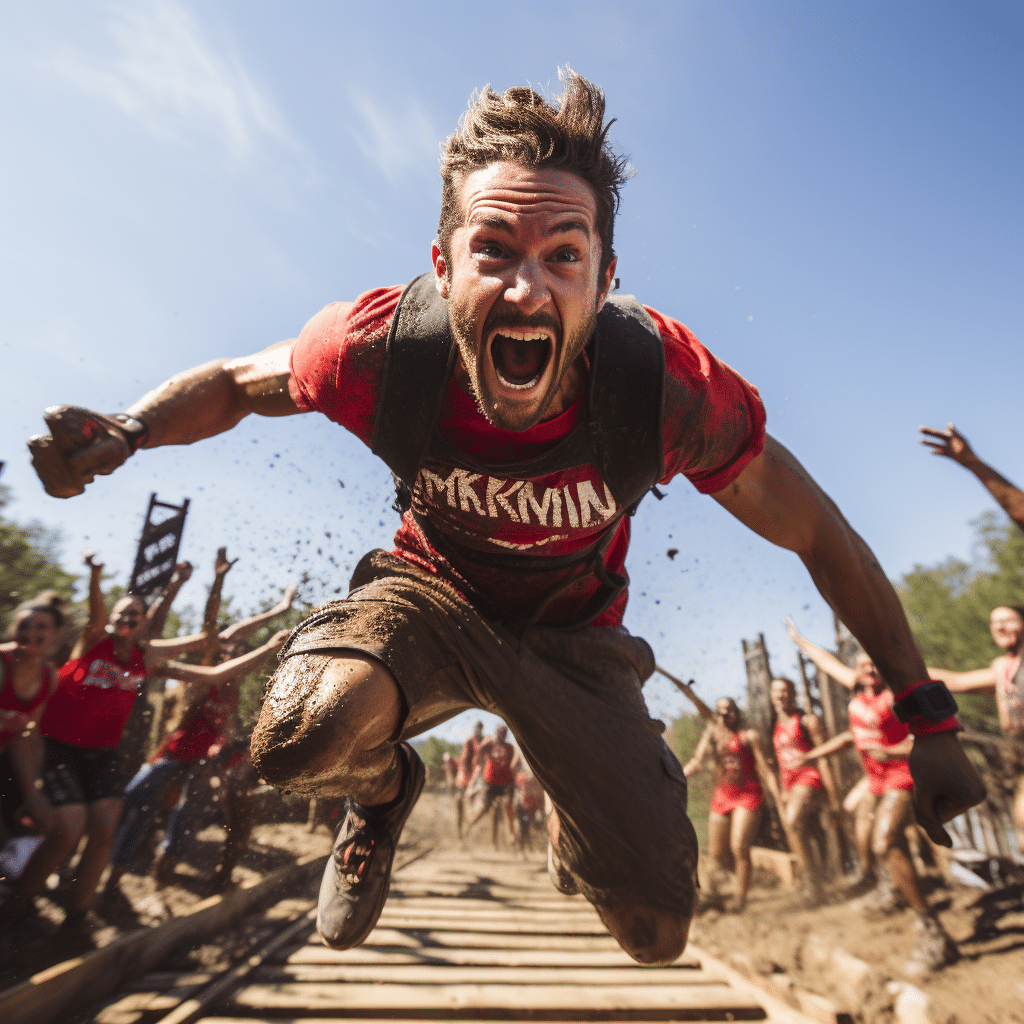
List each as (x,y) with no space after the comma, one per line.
(773,939)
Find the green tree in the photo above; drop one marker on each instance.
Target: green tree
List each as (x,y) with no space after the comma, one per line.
(28,561)
(682,736)
(948,605)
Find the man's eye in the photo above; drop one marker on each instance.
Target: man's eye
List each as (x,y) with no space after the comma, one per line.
(566,256)
(492,252)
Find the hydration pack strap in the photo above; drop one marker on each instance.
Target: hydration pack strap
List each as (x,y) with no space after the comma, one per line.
(417,364)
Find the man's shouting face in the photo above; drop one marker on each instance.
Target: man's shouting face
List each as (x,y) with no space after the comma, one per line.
(524,289)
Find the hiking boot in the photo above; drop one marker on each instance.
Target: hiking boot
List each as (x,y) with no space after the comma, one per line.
(348,912)
(560,877)
(934,948)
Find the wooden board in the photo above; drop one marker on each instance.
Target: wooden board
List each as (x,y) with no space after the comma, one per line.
(661,1002)
(503,957)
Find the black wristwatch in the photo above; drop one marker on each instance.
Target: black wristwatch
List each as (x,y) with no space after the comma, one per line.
(136,432)
(931,700)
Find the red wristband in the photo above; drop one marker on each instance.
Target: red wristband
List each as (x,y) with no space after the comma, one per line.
(921,726)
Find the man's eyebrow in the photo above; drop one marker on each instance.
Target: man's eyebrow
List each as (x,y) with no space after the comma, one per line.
(501,224)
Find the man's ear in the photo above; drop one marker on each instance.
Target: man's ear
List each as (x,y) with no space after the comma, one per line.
(606,284)
(440,269)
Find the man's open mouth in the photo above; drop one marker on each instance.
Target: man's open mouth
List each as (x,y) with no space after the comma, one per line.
(520,356)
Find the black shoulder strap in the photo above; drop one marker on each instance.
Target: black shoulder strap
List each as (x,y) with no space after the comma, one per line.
(416,366)
(625,400)
(624,403)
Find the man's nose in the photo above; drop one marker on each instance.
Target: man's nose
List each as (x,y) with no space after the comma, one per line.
(529,290)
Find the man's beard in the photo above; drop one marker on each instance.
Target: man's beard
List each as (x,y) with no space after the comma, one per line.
(501,413)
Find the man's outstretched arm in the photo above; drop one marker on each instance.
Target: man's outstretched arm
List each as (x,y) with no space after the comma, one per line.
(951,444)
(189,407)
(776,497)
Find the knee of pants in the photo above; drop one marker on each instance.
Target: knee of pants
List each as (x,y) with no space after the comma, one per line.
(306,726)
(650,936)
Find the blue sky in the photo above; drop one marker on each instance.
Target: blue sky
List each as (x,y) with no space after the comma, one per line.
(829,196)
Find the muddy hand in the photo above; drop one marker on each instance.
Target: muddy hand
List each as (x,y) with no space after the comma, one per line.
(80,445)
(945,783)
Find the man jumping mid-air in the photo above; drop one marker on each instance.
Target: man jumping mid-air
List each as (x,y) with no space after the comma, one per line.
(528,412)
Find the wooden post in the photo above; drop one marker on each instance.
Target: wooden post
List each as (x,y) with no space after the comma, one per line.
(759,681)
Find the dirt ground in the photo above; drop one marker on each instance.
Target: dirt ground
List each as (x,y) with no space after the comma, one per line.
(772,937)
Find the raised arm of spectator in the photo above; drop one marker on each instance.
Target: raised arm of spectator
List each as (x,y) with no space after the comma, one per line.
(812,723)
(763,770)
(951,444)
(221,567)
(696,762)
(244,628)
(688,691)
(832,746)
(96,626)
(156,617)
(979,680)
(228,671)
(828,663)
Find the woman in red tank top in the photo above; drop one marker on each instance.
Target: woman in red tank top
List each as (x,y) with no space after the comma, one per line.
(26,681)
(803,784)
(82,727)
(736,801)
(886,809)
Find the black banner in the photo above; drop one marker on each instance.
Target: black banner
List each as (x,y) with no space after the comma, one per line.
(158,547)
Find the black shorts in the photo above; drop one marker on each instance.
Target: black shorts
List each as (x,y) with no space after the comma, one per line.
(495,791)
(80,775)
(571,698)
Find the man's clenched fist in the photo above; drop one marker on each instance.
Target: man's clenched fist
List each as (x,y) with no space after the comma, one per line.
(81,443)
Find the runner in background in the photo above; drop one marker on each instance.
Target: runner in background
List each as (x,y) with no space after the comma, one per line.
(737,798)
(884,812)
(951,444)
(464,775)
(528,805)
(497,761)
(1004,677)
(803,785)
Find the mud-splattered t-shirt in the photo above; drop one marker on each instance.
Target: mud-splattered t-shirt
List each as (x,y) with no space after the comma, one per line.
(714,426)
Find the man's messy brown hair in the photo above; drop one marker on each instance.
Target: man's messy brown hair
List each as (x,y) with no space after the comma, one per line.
(521,127)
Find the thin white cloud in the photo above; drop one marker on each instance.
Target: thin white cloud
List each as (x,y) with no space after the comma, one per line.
(166,73)
(401,141)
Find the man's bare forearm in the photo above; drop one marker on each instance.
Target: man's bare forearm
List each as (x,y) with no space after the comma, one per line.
(210,399)
(849,577)
(776,497)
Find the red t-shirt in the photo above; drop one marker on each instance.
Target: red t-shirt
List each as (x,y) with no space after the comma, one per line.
(874,724)
(791,741)
(10,701)
(94,698)
(192,741)
(714,426)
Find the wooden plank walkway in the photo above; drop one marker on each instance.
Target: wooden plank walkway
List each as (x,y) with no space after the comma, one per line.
(480,938)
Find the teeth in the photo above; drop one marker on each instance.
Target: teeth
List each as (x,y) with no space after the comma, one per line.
(524,335)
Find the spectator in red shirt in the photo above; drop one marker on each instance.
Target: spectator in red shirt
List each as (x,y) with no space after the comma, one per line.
(526,411)
(497,762)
